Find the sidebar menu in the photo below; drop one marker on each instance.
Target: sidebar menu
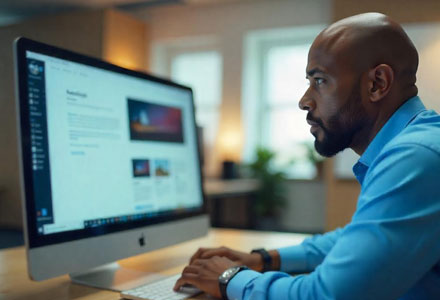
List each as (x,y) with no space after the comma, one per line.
(39,143)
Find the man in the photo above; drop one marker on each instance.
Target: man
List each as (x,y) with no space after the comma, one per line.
(362,95)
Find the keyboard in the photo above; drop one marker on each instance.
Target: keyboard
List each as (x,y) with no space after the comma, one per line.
(161,289)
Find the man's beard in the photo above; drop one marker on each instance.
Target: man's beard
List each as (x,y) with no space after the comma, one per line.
(333,142)
(342,127)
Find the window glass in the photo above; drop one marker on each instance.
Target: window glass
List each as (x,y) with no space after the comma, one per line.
(203,72)
(285,129)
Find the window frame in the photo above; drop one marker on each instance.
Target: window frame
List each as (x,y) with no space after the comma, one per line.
(257,45)
(163,53)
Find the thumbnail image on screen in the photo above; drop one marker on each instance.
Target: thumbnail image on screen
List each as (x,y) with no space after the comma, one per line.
(154,122)
(162,167)
(141,168)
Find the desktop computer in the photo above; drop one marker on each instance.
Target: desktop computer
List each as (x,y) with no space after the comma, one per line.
(110,165)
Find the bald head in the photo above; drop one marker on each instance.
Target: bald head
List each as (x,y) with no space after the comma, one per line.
(361,69)
(364,41)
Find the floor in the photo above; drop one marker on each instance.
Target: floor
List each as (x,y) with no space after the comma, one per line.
(10,238)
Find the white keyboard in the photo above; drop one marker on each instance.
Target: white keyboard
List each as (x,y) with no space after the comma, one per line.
(160,290)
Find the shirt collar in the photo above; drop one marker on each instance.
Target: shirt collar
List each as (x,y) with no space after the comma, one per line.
(398,121)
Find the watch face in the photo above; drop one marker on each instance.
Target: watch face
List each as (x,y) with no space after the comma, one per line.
(228,274)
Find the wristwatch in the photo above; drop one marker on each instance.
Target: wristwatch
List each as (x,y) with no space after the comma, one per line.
(267,259)
(226,276)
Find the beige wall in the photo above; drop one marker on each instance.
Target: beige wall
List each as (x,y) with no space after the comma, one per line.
(94,33)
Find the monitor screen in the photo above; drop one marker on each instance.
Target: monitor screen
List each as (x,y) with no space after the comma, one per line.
(104,149)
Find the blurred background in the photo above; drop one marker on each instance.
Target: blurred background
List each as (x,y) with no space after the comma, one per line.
(245,60)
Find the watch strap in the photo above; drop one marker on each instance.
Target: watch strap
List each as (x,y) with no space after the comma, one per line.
(267,259)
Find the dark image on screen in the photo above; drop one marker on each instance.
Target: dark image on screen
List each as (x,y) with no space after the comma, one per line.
(153,122)
(141,167)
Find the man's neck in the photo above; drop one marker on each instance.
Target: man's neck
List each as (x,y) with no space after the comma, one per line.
(369,131)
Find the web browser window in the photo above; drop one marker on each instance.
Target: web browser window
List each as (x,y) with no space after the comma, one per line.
(107,147)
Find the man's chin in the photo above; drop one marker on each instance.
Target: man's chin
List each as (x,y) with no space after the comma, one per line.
(326,149)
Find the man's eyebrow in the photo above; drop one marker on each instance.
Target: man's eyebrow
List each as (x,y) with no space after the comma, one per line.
(314,71)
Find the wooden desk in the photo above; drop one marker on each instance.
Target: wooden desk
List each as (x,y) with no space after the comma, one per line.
(15,284)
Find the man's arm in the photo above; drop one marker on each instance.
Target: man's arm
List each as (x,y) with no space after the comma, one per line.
(391,243)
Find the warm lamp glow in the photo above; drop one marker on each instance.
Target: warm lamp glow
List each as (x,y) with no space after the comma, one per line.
(123,61)
(229,145)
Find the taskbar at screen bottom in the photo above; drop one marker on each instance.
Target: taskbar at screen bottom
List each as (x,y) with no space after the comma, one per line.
(100,226)
(135,217)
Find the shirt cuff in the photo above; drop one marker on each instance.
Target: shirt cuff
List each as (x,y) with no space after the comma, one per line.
(293,259)
(238,283)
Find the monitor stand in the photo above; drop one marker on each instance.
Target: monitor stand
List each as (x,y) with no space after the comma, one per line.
(113,277)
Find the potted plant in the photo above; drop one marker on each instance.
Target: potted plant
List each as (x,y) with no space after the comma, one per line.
(271,195)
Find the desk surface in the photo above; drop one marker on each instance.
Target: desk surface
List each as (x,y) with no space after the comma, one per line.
(15,284)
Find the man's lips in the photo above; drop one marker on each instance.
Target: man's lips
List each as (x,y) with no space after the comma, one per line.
(314,126)
(312,123)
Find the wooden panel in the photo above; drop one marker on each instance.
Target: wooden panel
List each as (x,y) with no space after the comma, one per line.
(124,41)
(404,11)
(341,198)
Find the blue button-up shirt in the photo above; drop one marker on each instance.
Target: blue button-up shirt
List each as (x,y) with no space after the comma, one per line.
(391,247)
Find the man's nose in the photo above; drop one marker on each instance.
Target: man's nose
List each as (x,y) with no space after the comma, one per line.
(306,102)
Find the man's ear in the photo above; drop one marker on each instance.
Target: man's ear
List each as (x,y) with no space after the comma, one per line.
(381,79)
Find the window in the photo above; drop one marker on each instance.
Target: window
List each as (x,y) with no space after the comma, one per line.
(202,71)
(196,62)
(275,82)
(285,130)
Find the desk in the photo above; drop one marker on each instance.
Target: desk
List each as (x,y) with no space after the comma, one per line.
(15,284)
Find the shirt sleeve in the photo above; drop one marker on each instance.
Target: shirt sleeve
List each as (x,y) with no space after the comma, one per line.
(391,242)
(309,254)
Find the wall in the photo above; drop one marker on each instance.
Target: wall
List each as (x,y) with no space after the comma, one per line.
(89,33)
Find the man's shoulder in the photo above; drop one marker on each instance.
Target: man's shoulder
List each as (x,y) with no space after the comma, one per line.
(423,131)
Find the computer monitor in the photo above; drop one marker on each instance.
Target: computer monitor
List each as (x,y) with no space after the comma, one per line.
(109,161)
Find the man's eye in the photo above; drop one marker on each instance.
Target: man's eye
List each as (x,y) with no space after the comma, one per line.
(319,81)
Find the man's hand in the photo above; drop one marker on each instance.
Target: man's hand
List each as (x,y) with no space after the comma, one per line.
(204,274)
(253,261)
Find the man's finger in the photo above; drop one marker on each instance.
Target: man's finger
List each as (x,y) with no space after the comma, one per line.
(216,252)
(191,269)
(200,262)
(187,278)
(198,253)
